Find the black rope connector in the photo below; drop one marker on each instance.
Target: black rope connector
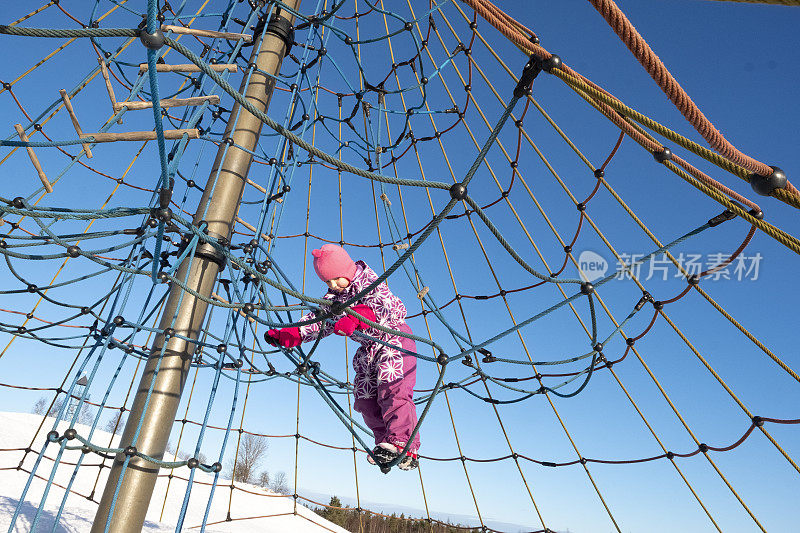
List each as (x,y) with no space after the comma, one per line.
(85,448)
(442,359)
(217,467)
(664,155)
(192,462)
(458,191)
(599,173)
(598,347)
(756,214)
(550,63)
(165,195)
(130,451)
(529,72)
(630,341)
(336,308)
(73,251)
(249,308)
(587,288)
(758,421)
(18,202)
(282,28)
(163,214)
(71,433)
(487,355)
(154,40)
(386,469)
(646,297)
(658,305)
(694,279)
(764,185)
(119,320)
(670,455)
(722,217)
(567,249)
(222,348)
(703,447)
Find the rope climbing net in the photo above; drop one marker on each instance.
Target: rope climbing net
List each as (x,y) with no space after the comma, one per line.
(420,116)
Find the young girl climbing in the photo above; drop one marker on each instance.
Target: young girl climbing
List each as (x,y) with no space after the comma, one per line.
(384,376)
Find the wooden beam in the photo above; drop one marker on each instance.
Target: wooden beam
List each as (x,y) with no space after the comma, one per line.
(169,102)
(109,88)
(74,117)
(207,33)
(35,160)
(190,67)
(110,137)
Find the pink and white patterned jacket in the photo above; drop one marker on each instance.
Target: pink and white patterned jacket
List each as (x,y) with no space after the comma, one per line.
(388,308)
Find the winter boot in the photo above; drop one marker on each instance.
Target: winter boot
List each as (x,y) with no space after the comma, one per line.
(409,462)
(384,453)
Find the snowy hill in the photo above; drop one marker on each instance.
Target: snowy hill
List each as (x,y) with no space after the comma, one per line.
(257,509)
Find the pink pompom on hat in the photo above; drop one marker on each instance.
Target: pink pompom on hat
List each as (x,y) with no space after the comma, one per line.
(332,261)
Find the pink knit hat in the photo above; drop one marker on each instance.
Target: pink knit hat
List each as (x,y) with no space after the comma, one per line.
(331,262)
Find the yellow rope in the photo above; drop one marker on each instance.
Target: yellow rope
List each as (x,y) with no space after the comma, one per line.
(688,344)
(662,130)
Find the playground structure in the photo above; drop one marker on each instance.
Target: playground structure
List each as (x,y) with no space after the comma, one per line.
(370,129)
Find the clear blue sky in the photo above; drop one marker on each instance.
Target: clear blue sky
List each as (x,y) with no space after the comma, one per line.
(739,64)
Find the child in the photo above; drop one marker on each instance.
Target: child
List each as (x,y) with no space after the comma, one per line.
(384,377)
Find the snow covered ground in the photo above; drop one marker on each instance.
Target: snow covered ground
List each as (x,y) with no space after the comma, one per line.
(257,510)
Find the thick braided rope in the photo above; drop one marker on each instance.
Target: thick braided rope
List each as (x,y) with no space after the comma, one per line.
(651,145)
(659,72)
(790,195)
(64,34)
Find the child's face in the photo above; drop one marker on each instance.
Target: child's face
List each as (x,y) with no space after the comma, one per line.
(338,284)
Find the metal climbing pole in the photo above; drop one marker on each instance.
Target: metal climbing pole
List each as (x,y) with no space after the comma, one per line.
(183,312)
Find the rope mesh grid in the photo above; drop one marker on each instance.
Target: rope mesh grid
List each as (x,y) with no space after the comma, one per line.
(366,95)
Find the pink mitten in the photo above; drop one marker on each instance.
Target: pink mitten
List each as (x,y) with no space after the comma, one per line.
(286,337)
(348,323)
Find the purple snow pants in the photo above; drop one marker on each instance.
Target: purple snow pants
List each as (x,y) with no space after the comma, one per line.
(392,415)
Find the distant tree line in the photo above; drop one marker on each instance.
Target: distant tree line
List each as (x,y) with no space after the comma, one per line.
(85,415)
(361,522)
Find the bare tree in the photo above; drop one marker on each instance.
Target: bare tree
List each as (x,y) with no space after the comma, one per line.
(252,450)
(263,480)
(116,424)
(56,407)
(86,414)
(40,406)
(279,483)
